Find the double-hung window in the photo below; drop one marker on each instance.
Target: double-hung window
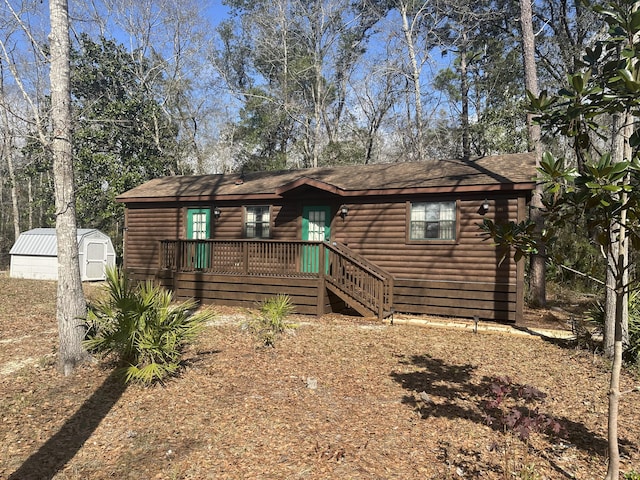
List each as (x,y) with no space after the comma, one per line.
(257,222)
(433,221)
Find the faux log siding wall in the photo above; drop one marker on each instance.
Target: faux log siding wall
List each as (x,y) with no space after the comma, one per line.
(284,221)
(145,228)
(379,233)
(461,278)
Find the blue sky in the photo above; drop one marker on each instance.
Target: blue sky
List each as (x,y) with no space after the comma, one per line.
(217,12)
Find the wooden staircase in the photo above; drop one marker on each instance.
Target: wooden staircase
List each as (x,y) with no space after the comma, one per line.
(361,284)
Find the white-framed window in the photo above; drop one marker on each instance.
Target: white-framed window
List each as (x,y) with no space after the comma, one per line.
(433,221)
(257,222)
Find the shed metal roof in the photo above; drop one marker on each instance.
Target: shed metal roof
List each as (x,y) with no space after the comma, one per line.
(498,172)
(43,242)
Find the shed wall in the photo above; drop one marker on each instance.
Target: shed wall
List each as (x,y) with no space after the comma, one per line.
(34,267)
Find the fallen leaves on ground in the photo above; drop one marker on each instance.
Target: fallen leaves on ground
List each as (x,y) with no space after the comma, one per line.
(338,398)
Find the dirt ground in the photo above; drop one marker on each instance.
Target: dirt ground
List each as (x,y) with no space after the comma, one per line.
(339,398)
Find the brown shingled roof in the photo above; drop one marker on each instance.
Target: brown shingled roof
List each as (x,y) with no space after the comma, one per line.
(500,172)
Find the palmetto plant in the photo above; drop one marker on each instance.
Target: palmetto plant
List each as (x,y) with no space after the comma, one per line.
(142,326)
(595,315)
(272,319)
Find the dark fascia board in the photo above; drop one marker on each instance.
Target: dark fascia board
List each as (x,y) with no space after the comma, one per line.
(503,187)
(197,198)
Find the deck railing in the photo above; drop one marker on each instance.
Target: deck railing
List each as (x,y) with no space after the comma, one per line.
(351,274)
(361,279)
(236,257)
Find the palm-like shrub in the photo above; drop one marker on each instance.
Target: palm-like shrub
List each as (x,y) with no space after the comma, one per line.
(631,351)
(142,327)
(272,319)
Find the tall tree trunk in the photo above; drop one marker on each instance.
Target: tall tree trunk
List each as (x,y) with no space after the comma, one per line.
(537,271)
(621,317)
(464,92)
(15,210)
(415,80)
(71,303)
(616,332)
(30,206)
(7,152)
(610,304)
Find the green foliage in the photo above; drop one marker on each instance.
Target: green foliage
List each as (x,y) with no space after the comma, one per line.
(518,236)
(632,475)
(601,190)
(292,67)
(122,137)
(139,324)
(122,134)
(596,316)
(263,133)
(271,321)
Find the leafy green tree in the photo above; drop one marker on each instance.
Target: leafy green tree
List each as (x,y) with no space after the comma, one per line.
(597,108)
(122,137)
(264,135)
(483,83)
(564,28)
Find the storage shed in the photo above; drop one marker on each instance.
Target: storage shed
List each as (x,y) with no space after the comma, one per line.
(35,254)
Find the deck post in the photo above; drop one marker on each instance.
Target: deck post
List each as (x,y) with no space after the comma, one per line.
(245,258)
(380,300)
(321,275)
(178,254)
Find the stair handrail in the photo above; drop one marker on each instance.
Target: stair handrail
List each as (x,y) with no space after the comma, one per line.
(364,262)
(381,302)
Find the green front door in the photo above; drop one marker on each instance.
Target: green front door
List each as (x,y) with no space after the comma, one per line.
(199,228)
(316,227)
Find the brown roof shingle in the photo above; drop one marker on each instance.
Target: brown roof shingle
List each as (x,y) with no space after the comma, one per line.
(514,171)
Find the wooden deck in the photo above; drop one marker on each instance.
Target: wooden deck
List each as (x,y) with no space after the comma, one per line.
(246,272)
(317,275)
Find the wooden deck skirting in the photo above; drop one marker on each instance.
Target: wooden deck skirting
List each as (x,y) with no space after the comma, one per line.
(360,284)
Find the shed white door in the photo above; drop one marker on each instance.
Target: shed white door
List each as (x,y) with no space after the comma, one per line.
(95,255)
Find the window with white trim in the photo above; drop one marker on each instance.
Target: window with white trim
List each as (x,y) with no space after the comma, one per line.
(433,221)
(257,222)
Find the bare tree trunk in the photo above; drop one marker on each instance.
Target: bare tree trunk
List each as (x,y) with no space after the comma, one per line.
(621,318)
(15,210)
(537,271)
(617,321)
(7,152)
(464,91)
(618,257)
(613,470)
(415,78)
(71,303)
(609,331)
(30,206)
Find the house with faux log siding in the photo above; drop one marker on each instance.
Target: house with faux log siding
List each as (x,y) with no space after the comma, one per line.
(400,237)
